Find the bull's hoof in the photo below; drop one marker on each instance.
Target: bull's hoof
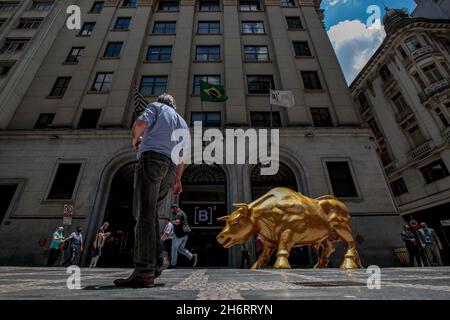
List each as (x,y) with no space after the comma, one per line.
(282,263)
(255,266)
(351,262)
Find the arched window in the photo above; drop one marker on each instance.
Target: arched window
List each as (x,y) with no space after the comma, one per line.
(260,184)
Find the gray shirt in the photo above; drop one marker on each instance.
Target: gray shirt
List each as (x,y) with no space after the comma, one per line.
(161,121)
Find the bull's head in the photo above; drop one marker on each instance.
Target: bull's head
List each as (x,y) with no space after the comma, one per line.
(239,226)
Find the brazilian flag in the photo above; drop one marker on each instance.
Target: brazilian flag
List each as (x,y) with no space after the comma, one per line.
(212,92)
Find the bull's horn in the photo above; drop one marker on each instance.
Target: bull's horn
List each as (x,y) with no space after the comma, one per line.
(224,218)
(240,205)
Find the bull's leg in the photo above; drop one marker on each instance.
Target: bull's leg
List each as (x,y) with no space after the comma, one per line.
(284,248)
(264,258)
(327,251)
(351,257)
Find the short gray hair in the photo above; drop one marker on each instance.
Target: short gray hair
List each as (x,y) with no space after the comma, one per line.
(167,99)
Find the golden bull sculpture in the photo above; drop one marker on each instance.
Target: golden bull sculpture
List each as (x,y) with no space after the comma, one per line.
(286,219)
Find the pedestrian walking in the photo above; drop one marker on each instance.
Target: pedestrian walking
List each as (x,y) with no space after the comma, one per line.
(75,247)
(154,176)
(414,225)
(166,238)
(180,237)
(56,246)
(431,244)
(98,244)
(245,257)
(411,246)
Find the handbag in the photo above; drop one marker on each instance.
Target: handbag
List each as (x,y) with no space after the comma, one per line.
(186,227)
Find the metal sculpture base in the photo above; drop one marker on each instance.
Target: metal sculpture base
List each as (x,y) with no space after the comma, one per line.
(285,219)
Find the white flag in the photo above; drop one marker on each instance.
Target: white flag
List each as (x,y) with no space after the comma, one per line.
(282,98)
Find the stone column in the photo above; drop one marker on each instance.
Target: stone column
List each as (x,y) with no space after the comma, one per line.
(181,56)
(236,111)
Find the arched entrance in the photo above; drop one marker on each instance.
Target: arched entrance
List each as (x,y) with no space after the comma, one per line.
(118,249)
(204,199)
(260,184)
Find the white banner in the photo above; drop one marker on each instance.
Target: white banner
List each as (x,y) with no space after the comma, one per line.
(282,98)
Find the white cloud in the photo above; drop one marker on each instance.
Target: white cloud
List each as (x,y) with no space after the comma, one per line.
(354,44)
(331,3)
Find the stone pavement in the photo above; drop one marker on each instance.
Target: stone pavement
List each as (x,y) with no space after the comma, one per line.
(220,284)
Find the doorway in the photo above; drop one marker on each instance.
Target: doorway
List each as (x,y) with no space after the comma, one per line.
(204,199)
(7,192)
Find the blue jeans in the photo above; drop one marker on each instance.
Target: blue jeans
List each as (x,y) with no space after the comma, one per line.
(178,246)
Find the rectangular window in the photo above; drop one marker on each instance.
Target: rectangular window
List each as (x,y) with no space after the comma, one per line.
(419,80)
(210,119)
(208,27)
(413,44)
(44,120)
(416,136)
(113,50)
(402,52)
(14,45)
(398,187)
(249,6)
(97,7)
(362,99)
(89,118)
(74,54)
(29,23)
(260,84)
(164,28)
(40,5)
(287,3)
(256,53)
(87,29)
(60,86)
(153,85)
(213,79)
(7,191)
(442,117)
(122,23)
(432,73)
(311,80)
(341,179)
(207,53)
(65,181)
(262,119)
(2,21)
(301,49)
(211,6)
(294,23)
(434,171)
(321,117)
(252,27)
(129,3)
(400,103)
(385,73)
(168,6)
(163,53)
(385,156)
(5,67)
(103,81)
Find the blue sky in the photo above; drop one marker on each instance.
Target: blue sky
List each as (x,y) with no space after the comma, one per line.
(354,43)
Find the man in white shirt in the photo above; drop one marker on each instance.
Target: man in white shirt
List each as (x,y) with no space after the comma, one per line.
(166,237)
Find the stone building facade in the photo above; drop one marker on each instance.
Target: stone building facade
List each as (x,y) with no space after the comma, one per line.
(68,106)
(403,94)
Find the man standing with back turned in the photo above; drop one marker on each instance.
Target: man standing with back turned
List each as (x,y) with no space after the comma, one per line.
(154,176)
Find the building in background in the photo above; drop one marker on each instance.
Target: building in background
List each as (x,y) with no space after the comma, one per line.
(432,9)
(403,94)
(67,108)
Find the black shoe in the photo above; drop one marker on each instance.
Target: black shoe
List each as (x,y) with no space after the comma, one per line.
(171,267)
(135,282)
(194,260)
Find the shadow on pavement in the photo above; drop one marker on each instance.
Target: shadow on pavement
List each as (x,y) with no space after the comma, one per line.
(113,287)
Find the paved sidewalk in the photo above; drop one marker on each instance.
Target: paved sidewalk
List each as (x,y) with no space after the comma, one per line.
(269,284)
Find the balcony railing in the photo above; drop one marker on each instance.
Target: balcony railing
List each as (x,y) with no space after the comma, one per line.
(420,152)
(434,88)
(422,52)
(403,115)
